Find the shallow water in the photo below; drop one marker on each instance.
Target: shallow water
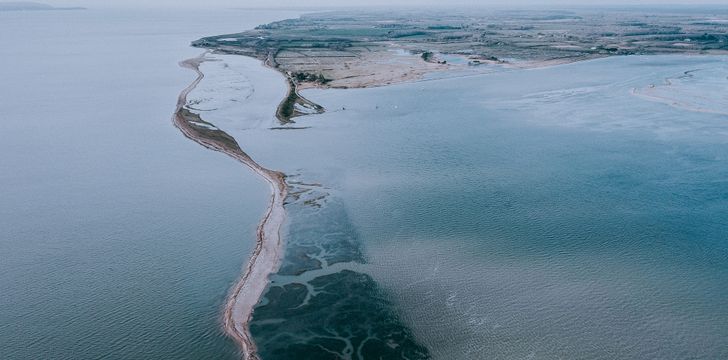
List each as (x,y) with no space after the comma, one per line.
(544,213)
(318,306)
(119,238)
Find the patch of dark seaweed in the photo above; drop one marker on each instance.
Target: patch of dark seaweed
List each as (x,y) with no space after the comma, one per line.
(299,260)
(348,317)
(339,315)
(321,227)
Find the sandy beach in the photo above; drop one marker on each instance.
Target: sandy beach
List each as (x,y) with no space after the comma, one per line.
(265,258)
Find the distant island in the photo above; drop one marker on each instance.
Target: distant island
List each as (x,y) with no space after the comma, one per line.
(32,6)
(345,49)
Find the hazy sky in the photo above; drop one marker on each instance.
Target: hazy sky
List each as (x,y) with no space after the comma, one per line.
(326,3)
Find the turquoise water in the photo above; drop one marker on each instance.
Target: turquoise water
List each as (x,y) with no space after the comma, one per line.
(119,238)
(542,213)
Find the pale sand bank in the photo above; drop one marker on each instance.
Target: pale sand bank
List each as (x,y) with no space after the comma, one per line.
(266,256)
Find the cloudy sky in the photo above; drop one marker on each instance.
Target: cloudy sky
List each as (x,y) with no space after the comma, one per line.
(328,3)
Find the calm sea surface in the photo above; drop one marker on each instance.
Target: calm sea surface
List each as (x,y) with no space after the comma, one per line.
(119,238)
(539,214)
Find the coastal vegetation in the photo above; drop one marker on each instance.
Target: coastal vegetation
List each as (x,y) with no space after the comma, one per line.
(316,46)
(347,49)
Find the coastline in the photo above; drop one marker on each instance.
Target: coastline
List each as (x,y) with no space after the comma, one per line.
(268,253)
(286,110)
(266,256)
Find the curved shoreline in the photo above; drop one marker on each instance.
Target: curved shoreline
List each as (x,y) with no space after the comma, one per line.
(266,256)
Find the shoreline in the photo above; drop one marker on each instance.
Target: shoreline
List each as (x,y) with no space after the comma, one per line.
(265,259)
(286,109)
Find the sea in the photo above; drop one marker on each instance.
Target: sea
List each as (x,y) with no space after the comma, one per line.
(119,238)
(577,211)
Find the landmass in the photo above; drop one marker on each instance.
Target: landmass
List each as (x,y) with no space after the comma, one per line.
(32,6)
(348,49)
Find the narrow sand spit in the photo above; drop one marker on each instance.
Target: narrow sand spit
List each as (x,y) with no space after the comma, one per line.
(265,259)
(266,256)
